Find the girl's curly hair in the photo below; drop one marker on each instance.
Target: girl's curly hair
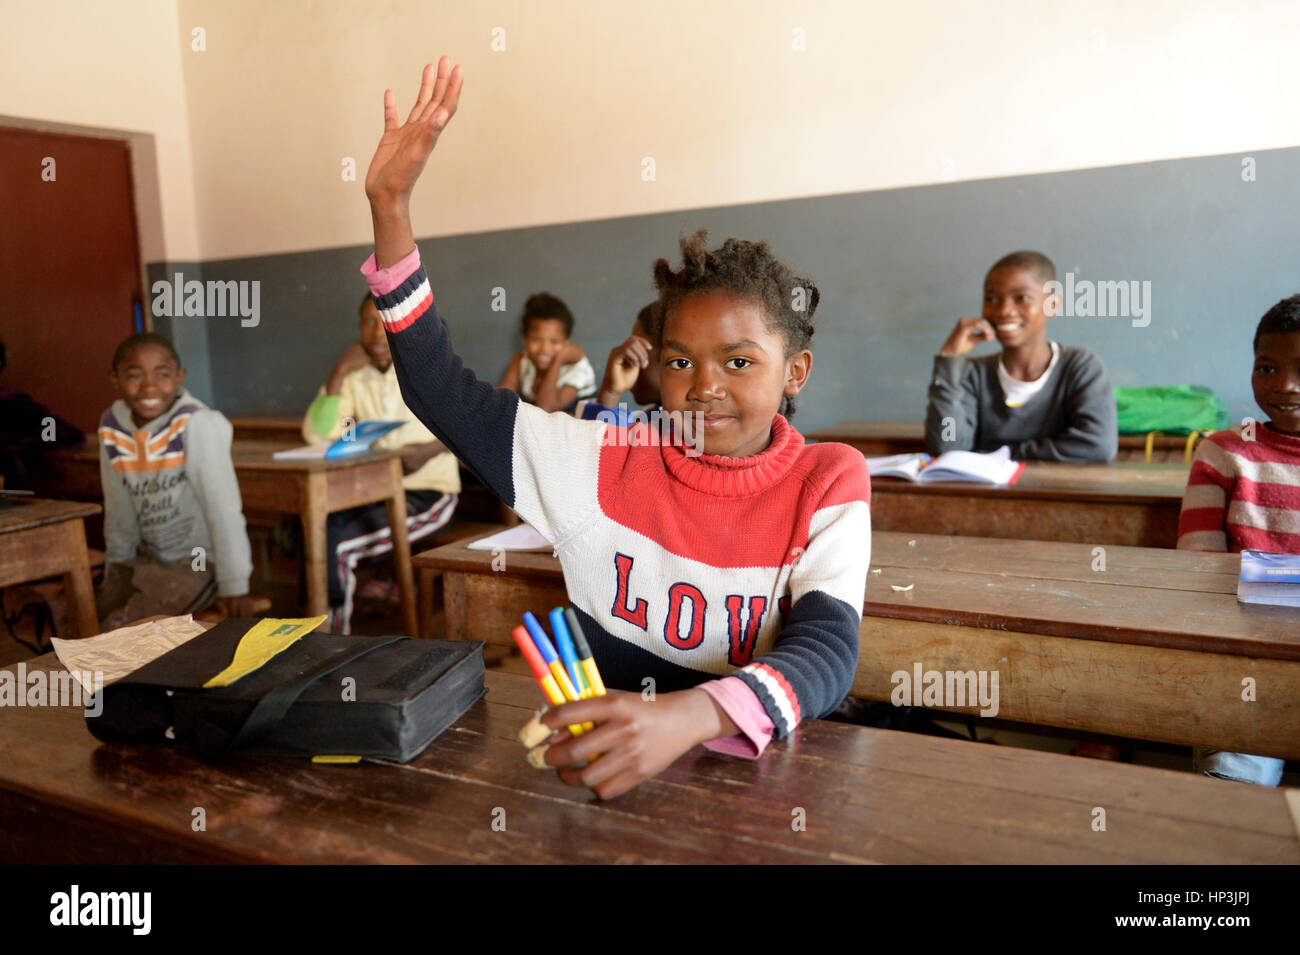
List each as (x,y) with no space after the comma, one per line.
(750,271)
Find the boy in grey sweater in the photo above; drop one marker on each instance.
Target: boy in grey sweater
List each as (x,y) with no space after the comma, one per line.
(169,484)
(1046,401)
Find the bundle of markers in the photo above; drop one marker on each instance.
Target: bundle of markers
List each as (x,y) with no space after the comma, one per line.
(566,675)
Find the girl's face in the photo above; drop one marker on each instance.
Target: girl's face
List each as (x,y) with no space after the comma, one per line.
(719,359)
(544,340)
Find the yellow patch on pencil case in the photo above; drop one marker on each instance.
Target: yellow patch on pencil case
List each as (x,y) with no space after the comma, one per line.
(265,640)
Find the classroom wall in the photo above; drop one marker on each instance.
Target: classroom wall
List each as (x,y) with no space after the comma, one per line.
(832,128)
(895,267)
(732,104)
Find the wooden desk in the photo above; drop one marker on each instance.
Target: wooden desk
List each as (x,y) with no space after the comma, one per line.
(876,438)
(43,538)
(867,796)
(310,489)
(1127,503)
(1153,647)
(282,429)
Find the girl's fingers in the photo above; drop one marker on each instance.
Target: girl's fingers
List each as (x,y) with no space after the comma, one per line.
(426,93)
(390,110)
(440,84)
(450,97)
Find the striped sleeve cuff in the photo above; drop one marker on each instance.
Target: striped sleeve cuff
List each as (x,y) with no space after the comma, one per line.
(383,281)
(775,693)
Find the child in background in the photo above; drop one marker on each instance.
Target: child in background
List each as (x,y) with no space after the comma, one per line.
(363,387)
(733,580)
(632,366)
(1243,492)
(1046,401)
(29,432)
(552,371)
(169,484)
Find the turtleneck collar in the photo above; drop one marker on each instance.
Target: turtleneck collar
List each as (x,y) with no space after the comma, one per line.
(722,476)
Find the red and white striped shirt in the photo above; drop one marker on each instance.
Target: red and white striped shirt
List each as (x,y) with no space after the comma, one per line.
(1242,494)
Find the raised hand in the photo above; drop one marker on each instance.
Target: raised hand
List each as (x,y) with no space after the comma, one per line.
(403,150)
(401,154)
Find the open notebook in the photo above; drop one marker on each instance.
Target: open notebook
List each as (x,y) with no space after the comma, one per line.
(965,467)
(354,442)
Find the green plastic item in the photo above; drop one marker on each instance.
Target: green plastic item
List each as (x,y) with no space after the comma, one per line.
(1172,409)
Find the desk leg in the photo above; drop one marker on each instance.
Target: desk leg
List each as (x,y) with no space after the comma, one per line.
(313,516)
(454,606)
(402,551)
(77,580)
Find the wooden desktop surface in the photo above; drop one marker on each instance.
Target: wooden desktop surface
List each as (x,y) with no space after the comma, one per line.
(1126,503)
(1155,646)
(864,795)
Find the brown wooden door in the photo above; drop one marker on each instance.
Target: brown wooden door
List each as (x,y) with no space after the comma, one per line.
(69,267)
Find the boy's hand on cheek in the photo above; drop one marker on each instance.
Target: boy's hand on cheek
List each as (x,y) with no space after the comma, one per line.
(570,354)
(967,333)
(635,739)
(624,366)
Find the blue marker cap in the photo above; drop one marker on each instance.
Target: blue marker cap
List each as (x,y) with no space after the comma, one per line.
(564,643)
(539,637)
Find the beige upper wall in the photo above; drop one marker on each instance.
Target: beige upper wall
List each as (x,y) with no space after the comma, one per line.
(110,68)
(555,128)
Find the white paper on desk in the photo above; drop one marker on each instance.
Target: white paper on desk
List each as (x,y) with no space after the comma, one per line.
(122,651)
(519,537)
(308,452)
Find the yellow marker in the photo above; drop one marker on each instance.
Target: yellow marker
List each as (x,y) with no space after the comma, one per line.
(551,689)
(583,650)
(593,676)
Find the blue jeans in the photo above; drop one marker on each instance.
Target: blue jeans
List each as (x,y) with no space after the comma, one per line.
(1239,767)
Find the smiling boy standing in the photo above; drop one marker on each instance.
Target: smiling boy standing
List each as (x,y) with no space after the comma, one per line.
(169,485)
(1045,400)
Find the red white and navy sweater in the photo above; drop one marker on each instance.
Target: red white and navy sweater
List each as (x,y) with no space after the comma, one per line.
(681,568)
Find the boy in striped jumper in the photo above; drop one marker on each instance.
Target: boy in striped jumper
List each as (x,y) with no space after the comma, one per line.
(1243,492)
(730,582)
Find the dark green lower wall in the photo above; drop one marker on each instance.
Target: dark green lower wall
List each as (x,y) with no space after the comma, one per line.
(895,268)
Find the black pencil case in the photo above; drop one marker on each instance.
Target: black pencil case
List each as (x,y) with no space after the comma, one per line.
(324,695)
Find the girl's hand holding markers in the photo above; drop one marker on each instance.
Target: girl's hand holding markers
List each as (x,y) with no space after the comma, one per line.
(634,738)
